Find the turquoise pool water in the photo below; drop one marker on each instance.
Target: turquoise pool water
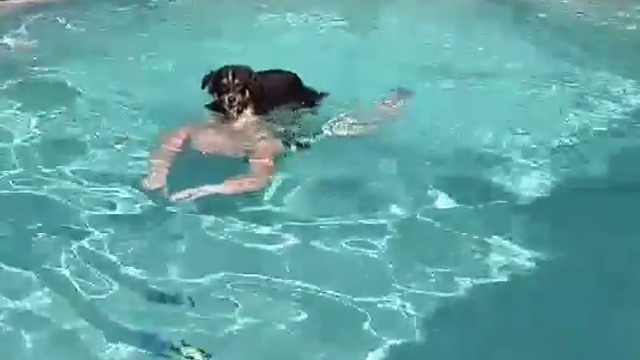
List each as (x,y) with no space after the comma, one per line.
(356,243)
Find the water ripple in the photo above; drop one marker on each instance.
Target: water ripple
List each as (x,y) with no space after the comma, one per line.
(333,261)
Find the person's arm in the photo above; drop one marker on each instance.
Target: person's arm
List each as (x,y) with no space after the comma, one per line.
(262,170)
(173,144)
(161,160)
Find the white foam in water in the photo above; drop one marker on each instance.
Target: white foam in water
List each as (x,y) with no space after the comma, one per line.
(356,241)
(442,200)
(381,352)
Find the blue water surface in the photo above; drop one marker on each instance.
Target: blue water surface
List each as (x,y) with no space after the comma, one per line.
(508,184)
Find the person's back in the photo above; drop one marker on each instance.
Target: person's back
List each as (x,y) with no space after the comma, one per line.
(244,137)
(227,139)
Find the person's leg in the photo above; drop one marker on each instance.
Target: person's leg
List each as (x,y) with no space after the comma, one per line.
(7,6)
(363,123)
(355,123)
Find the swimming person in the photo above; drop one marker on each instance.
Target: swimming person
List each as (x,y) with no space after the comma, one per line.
(249,137)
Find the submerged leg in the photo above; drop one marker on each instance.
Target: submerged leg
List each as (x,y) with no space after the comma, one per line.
(358,124)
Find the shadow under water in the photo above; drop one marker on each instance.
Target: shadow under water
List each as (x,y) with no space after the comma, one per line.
(26,218)
(580,304)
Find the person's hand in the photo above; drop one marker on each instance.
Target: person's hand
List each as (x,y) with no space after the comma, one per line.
(195,193)
(156,180)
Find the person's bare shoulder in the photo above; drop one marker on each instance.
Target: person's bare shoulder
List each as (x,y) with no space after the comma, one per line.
(180,133)
(192,126)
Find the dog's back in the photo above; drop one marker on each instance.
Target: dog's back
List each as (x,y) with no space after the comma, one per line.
(283,87)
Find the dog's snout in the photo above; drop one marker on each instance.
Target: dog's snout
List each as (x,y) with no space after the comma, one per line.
(232,99)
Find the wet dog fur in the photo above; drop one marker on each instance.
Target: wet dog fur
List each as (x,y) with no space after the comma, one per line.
(238,88)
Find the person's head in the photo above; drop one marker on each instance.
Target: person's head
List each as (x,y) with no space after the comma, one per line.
(235,87)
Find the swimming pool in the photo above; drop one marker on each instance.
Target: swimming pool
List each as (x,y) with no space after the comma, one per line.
(355,242)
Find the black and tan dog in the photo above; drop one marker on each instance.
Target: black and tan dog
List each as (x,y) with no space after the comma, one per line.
(237,89)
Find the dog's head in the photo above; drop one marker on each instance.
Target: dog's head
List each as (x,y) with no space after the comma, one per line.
(235,87)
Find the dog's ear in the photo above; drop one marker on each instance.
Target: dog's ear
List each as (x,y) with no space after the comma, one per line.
(255,87)
(207,79)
